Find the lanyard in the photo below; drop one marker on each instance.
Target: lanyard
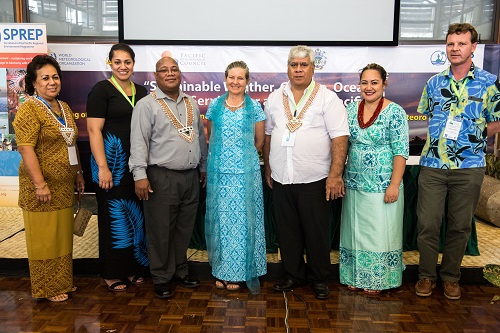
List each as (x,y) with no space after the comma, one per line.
(304,98)
(457,93)
(60,119)
(132,102)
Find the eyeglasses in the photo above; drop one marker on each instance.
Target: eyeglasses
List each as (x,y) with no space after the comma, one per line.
(173,70)
(302,64)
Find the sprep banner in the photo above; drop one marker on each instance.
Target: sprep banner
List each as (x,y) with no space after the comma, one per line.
(19,43)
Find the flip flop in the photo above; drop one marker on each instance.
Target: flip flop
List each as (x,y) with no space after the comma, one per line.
(237,284)
(222,282)
(371,292)
(136,279)
(353,288)
(72,289)
(58,298)
(113,286)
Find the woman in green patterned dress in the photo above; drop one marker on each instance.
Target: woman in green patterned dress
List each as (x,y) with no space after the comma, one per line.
(371,232)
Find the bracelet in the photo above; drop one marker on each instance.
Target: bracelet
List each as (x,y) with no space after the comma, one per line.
(41,188)
(79,172)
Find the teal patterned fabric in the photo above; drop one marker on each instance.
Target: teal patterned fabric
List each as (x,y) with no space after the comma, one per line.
(374,270)
(371,241)
(371,231)
(371,150)
(478,105)
(234,220)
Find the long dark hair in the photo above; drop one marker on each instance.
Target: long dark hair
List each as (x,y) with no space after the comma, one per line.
(378,68)
(121,47)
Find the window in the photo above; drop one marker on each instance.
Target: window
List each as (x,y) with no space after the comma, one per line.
(429,19)
(85,18)
(7,11)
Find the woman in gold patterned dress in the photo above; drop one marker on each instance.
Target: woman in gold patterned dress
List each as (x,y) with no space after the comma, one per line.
(49,172)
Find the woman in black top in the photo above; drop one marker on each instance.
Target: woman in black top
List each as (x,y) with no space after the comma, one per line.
(122,247)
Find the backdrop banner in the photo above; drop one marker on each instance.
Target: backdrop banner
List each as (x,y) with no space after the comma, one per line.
(202,67)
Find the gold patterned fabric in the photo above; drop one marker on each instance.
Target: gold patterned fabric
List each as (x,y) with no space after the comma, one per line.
(49,243)
(34,126)
(51,277)
(49,227)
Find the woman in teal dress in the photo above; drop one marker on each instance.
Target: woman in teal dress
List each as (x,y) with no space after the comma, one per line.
(371,231)
(234,221)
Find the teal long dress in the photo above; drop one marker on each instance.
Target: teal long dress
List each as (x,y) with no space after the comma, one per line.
(371,231)
(234,220)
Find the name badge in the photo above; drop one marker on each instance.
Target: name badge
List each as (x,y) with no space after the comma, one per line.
(288,139)
(73,159)
(452,128)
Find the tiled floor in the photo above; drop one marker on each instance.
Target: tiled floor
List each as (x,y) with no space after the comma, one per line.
(92,308)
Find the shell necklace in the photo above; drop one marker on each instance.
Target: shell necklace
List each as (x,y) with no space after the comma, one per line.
(68,133)
(185,131)
(294,122)
(235,106)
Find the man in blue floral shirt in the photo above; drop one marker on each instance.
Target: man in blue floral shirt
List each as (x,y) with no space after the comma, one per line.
(463,109)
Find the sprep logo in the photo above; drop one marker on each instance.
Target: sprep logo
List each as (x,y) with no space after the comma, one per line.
(438,58)
(21,34)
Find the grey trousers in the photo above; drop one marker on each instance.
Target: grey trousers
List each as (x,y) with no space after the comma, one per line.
(462,188)
(169,217)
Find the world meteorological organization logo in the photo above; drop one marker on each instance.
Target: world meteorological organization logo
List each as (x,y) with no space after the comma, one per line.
(438,58)
(319,59)
(52,54)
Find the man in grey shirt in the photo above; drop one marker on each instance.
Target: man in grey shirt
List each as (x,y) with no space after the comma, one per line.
(167,146)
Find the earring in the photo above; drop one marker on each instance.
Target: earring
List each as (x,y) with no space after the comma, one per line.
(108,62)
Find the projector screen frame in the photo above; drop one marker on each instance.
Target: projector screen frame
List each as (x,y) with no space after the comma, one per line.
(291,42)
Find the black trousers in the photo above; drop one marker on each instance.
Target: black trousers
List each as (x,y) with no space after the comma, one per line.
(302,217)
(169,216)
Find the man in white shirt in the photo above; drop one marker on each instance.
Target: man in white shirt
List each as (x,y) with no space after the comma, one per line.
(304,155)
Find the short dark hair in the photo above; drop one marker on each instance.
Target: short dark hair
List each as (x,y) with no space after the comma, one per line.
(377,67)
(462,28)
(36,63)
(238,64)
(121,47)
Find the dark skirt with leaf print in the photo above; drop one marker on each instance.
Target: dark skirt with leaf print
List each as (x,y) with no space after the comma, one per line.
(122,243)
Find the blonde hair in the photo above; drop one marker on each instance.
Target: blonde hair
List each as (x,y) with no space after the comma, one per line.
(238,64)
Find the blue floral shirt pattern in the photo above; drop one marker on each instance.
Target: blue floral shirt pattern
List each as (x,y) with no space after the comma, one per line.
(476,106)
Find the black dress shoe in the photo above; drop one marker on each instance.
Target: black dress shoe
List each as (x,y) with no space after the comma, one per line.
(321,290)
(286,284)
(162,290)
(187,282)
